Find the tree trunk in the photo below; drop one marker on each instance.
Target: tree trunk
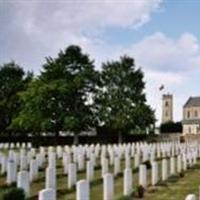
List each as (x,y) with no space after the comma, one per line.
(57,133)
(76,139)
(119,137)
(57,136)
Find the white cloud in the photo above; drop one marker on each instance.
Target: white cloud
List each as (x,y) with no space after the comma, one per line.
(161,53)
(168,61)
(35,29)
(166,78)
(83,14)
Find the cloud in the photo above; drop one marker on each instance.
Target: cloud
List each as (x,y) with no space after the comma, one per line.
(32,30)
(161,53)
(166,78)
(172,62)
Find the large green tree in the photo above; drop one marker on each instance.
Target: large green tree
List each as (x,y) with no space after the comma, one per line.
(13,80)
(59,99)
(120,102)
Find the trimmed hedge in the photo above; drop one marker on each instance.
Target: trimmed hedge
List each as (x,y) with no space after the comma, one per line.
(68,140)
(171,127)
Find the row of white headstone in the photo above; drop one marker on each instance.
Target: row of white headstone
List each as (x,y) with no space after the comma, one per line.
(77,158)
(191,197)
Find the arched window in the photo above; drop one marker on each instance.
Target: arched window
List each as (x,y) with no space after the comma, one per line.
(196,113)
(188,114)
(166,104)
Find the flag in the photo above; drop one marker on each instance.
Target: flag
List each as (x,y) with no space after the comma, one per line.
(161,87)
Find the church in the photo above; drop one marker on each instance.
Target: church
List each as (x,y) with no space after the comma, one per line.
(191,116)
(191,113)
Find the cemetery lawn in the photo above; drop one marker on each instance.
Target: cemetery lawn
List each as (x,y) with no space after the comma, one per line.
(168,191)
(177,190)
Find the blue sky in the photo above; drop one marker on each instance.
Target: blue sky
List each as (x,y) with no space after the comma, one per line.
(162,36)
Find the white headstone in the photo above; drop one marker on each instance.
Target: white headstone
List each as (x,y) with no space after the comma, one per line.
(66,161)
(128,181)
(47,194)
(117,167)
(104,166)
(3,164)
(137,160)
(90,171)
(127,161)
(172,165)
(81,163)
(154,173)
(50,178)
(143,175)
(52,159)
(164,170)
(108,187)
(23,162)
(23,181)
(11,172)
(82,190)
(191,197)
(72,175)
(179,164)
(33,170)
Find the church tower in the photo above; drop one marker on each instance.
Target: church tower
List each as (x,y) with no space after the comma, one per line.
(167,108)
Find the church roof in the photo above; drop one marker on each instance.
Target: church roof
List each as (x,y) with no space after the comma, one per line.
(193,102)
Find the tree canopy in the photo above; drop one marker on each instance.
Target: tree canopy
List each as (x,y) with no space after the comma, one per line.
(70,95)
(13,80)
(58,99)
(120,101)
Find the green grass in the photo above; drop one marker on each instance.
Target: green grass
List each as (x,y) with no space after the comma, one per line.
(175,189)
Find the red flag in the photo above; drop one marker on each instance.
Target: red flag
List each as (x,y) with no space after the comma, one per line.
(161,87)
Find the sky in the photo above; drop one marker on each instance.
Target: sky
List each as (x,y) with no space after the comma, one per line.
(163,36)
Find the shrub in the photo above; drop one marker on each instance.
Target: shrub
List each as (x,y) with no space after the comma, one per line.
(140,191)
(14,194)
(148,164)
(181,174)
(171,127)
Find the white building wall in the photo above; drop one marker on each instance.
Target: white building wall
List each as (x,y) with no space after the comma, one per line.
(191,129)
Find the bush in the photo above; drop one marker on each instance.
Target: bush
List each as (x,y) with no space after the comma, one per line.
(181,174)
(148,164)
(14,194)
(171,127)
(140,191)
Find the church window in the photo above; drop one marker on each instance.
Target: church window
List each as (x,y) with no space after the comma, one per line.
(188,114)
(196,113)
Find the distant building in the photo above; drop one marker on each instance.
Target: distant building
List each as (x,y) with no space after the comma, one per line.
(191,116)
(167,108)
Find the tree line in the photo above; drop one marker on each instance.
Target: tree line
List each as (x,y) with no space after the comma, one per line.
(71,95)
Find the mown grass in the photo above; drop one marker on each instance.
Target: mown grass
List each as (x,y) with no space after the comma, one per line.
(175,189)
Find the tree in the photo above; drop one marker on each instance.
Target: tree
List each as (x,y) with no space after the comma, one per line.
(59,99)
(13,80)
(120,102)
